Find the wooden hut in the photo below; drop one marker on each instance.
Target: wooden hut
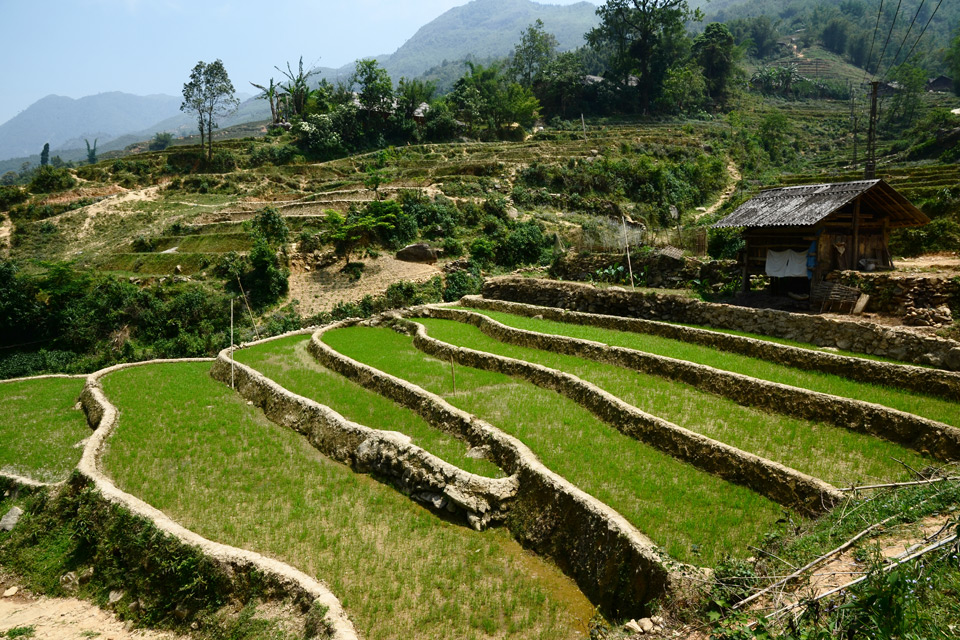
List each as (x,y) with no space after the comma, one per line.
(809,230)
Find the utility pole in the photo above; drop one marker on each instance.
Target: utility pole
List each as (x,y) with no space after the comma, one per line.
(870,170)
(854,122)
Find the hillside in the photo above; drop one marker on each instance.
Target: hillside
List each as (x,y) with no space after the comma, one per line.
(487,28)
(59,120)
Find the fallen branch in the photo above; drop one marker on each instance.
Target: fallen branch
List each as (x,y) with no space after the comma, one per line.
(885,569)
(899,484)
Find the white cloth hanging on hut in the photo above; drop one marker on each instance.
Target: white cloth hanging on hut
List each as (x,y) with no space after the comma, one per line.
(786,264)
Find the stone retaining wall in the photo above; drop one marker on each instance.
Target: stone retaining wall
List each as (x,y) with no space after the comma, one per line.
(480,501)
(649,269)
(938,440)
(896,292)
(614,565)
(933,382)
(777,482)
(237,564)
(862,337)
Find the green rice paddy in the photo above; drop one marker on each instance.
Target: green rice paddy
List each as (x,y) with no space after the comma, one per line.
(40,430)
(192,447)
(287,362)
(695,516)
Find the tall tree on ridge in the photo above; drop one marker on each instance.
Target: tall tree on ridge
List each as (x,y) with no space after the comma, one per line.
(210,94)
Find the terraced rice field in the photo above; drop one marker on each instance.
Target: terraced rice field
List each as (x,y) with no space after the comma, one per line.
(836,455)
(695,516)
(190,446)
(928,407)
(40,430)
(286,362)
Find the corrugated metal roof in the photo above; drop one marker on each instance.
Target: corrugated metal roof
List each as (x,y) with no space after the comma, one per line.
(799,206)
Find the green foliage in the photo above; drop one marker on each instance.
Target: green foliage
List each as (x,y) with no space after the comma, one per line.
(275,154)
(464,282)
(27,631)
(48,179)
(45,155)
(724,244)
(482,251)
(161,140)
(86,321)
(525,244)
(436,218)
(716,54)
(210,95)
(271,226)
(91,151)
(404,227)
(267,281)
(532,54)
(942,234)
(11,195)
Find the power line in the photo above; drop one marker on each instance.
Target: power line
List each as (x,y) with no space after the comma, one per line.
(907,35)
(866,67)
(889,33)
(924,29)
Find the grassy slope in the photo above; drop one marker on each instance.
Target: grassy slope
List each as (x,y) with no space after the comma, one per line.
(287,362)
(695,516)
(186,444)
(928,407)
(39,428)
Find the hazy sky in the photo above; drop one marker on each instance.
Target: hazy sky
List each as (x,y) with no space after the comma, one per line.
(77,48)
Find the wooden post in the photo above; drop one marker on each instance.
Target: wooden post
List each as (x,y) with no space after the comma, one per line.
(232,386)
(745,275)
(626,245)
(855,255)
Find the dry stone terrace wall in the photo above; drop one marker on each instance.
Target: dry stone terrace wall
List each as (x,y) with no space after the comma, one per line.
(649,269)
(863,337)
(777,482)
(237,564)
(616,567)
(895,292)
(934,382)
(926,436)
(480,501)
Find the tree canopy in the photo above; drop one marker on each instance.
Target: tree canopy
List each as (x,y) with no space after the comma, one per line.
(210,94)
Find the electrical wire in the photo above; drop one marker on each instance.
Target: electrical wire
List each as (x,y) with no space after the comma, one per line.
(889,33)
(924,29)
(872,42)
(907,35)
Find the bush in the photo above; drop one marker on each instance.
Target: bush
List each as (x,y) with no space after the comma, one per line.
(462,283)
(48,179)
(270,225)
(11,195)
(404,227)
(482,251)
(526,244)
(452,248)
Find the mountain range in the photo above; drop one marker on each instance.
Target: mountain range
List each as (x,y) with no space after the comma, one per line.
(481,28)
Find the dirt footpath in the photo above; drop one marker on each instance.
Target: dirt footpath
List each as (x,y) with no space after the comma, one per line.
(66,619)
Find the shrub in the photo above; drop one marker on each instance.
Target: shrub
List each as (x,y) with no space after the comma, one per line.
(482,251)
(526,244)
(11,195)
(402,228)
(270,225)
(452,248)
(48,179)
(461,283)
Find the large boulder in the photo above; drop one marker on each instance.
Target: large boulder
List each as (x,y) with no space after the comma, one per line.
(419,252)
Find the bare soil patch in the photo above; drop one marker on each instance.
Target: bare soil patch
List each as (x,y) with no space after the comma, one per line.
(65,618)
(321,289)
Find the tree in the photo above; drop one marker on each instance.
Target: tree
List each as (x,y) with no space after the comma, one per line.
(835,35)
(532,54)
(717,56)
(953,62)
(91,152)
(413,93)
(376,87)
(271,94)
(45,155)
(561,85)
(647,38)
(210,94)
(297,87)
(161,141)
